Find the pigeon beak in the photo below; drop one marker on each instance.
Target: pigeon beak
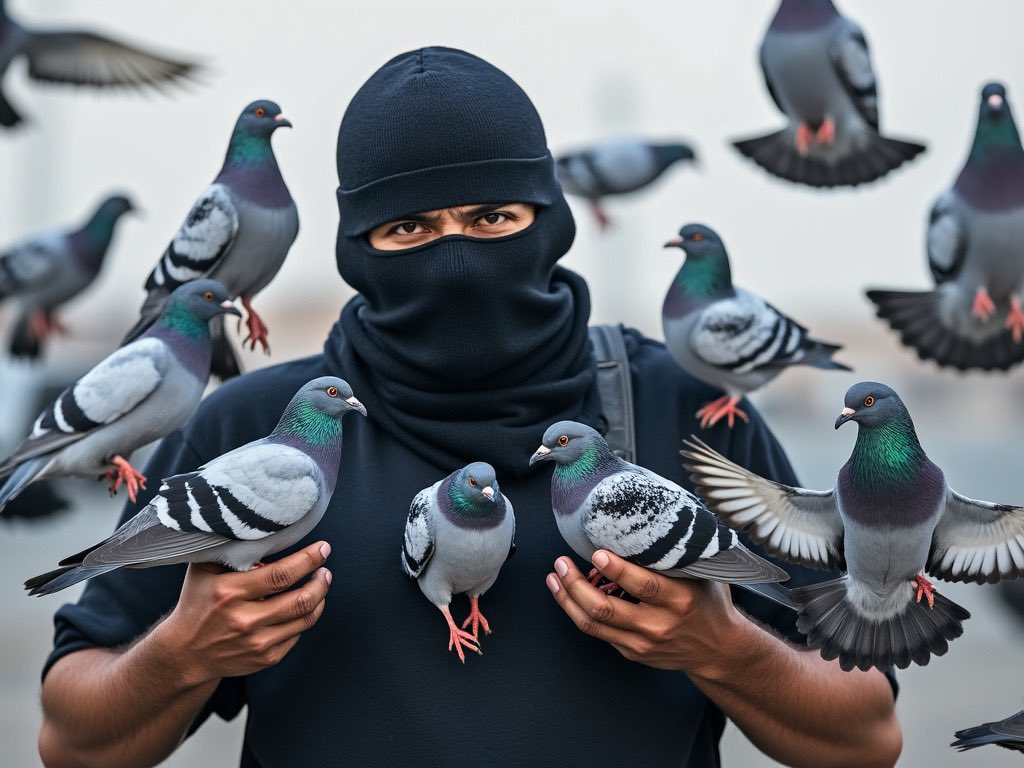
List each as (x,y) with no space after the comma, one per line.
(356,405)
(282,121)
(488,492)
(675,242)
(995,101)
(541,454)
(844,417)
(230,308)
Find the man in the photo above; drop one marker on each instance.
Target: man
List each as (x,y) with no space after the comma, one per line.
(465,342)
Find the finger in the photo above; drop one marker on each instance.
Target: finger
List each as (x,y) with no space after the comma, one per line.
(274,654)
(586,623)
(282,574)
(292,605)
(594,602)
(646,586)
(280,633)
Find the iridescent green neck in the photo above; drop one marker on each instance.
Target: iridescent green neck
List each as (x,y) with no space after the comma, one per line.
(886,456)
(589,463)
(246,149)
(995,133)
(311,425)
(180,320)
(100,228)
(464,505)
(705,276)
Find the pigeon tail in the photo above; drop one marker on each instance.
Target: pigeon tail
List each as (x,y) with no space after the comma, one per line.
(774,592)
(831,624)
(224,362)
(980,735)
(777,154)
(22,475)
(914,315)
(818,354)
(62,578)
(24,342)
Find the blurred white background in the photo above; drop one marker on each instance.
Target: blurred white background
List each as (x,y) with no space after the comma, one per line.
(595,69)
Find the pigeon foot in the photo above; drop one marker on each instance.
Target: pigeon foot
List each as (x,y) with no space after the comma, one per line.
(477,618)
(1015,320)
(258,330)
(804,135)
(125,473)
(716,410)
(458,638)
(826,133)
(983,306)
(603,219)
(595,578)
(924,589)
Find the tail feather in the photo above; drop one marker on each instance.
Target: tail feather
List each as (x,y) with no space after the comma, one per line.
(22,475)
(24,343)
(62,578)
(988,733)
(224,362)
(819,355)
(774,592)
(776,153)
(833,626)
(915,316)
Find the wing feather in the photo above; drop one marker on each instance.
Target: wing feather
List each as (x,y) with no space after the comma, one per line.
(977,541)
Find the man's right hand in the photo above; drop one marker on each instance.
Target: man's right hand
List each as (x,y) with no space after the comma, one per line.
(229,624)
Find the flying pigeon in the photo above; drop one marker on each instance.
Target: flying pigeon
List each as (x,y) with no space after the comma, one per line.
(136,395)
(603,502)
(238,231)
(973,318)
(52,268)
(238,508)
(818,72)
(726,337)
(890,520)
(80,58)
(616,167)
(460,531)
(1008,733)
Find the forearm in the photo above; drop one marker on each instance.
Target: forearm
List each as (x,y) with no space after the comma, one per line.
(119,708)
(798,708)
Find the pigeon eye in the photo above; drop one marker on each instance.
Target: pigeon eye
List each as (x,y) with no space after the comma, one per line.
(698,237)
(208,295)
(260,111)
(869,401)
(472,481)
(332,391)
(563,440)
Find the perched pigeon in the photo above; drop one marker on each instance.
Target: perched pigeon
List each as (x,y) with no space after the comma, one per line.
(237,509)
(52,268)
(238,231)
(603,502)
(890,519)
(460,531)
(614,168)
(136,395)
(818,72)
(1008,733)
(725,336)
(80,58)
(973,318)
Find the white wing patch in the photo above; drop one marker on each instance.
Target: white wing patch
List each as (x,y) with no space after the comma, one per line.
(418,542)
(200,242)
(946,238)
(977,541)
(31,263)
(743,333)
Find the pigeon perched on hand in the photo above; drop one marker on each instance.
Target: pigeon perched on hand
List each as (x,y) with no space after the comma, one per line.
(136,395)
(973,318)
(890,520)
(603,502)
(1008,733)
(460,531)
(238,232)
(238,508)
(80,58)
(614,168)
(818,72)
(52,268)
(726,337)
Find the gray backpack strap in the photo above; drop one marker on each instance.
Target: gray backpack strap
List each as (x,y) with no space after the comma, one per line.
(615,385)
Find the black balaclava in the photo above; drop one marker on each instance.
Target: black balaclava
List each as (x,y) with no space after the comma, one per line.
(463,348)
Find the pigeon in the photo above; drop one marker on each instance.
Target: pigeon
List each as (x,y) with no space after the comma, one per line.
(136,395)
(238,231)
(603,502)
(1008,733)
(236,509)
(460,531)
(818,72)
(973,318)
(890,520)
(80,58)
(616,167)
(726,337)
(52,268)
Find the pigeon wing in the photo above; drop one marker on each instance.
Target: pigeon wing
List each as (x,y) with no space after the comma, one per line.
(947,239)
(795,524)
(743,333)
(31,265)
(418,544)
(977,541)
(852,63)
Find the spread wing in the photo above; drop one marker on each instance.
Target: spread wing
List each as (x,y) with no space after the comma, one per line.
(852,63)
(796,524)
(31,265)
(202,240)
(947,239)
(977,541)
(768,83)
(418,544)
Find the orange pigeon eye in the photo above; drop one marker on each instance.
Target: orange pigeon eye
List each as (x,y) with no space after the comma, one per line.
(260,111)
(869,401)
(563,440)
(332,391)
(472,481)
(698,237)
(208,295)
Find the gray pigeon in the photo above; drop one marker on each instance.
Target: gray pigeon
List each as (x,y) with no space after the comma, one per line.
(52,268)
(460,531)
(238,508)
(135,396)
(1008,733)
(726,337)
(603,502)
(238,232)
(890,520)
(818,72)
(80,58)
(973,318)
(616,167)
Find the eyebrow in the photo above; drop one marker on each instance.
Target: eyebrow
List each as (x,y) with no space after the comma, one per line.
(482,210)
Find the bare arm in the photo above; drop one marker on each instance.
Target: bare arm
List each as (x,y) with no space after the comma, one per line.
(796,707)
(132,707)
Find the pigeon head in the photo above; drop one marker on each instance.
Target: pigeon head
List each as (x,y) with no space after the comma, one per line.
(260,119)
(799,15)
(871,404)
(667,154)
(115,206)
(330,396)
(566,442)
(312,420)
(996,127)
(698,241)
(200,300)
(706,272)
(475,486)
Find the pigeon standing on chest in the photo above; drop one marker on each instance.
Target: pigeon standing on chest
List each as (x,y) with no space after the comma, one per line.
(973,319)
(238,232)
(459,533)
(725,336)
